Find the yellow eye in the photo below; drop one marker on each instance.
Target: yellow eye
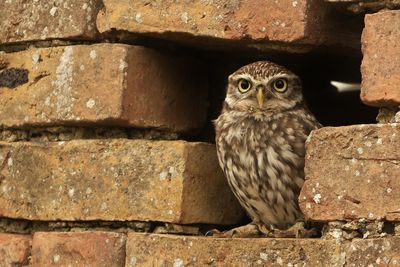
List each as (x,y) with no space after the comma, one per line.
(280,85)
(244,85)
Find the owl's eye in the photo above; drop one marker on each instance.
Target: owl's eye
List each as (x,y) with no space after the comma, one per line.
(244,85)
(280,85)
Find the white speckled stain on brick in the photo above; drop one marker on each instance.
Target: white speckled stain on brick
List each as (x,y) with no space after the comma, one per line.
(138,18)
(56,258)
(132,261)
(163,176)
(35,58)
(317,198)
(103,206)
(90,103)
(71,192)
(264,256)
(178,263)
(62,93)
(122,65)
(184,17)
(45,32)
(53,11)
(93,54)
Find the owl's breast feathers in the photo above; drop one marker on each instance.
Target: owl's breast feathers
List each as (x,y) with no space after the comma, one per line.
(263,160)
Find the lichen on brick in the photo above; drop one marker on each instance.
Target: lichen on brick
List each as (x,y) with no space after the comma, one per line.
(64,100)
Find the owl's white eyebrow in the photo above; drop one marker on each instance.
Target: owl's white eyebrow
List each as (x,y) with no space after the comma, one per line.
(244,76)
(277,76)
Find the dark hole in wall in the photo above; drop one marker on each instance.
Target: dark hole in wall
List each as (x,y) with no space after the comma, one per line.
(13,77)
(331,106)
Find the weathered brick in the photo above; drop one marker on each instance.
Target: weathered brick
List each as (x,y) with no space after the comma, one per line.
(217,20)
(168,250)
(40,20)
(108,84)
(78,249)
(374,252)
(120,179)
(381,62)
(352,173)
(14,249)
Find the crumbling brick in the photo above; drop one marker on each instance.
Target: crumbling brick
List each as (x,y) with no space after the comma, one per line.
(78,249)
(352,173)
(169,250)
(43,20)
(14,249)
(106,84)
(381,62)
(115,180)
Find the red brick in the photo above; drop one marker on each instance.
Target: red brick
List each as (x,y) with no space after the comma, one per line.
(172,250)
(42,20)
(204,21)
(106,84)
(14,249)
(381,62)
(352,173)
(115,180)
(78,249)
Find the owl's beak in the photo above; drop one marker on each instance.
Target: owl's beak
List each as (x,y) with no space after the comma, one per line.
(260,97)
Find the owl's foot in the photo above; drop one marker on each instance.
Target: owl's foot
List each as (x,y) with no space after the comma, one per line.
(298,230)
(245,231)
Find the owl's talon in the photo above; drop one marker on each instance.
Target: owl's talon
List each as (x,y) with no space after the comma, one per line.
(263,228)
(213,232)
(245,231)
(298,230)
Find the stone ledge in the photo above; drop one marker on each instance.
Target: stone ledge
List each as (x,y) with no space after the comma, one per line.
(168,250)
(115,180)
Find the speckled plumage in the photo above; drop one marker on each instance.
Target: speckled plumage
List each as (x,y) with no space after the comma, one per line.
(261,146)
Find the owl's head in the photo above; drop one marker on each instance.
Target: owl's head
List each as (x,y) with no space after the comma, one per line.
(263,86)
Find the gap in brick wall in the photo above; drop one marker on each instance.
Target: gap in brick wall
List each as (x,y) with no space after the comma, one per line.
(22,226)
(317,70)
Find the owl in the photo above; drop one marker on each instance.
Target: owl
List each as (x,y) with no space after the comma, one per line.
(260,139)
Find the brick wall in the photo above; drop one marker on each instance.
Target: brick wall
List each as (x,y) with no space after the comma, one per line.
(106,154)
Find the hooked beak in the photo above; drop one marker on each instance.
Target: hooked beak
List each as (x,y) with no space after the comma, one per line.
(260,97)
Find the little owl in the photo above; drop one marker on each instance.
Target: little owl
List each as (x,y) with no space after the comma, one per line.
(260,137)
